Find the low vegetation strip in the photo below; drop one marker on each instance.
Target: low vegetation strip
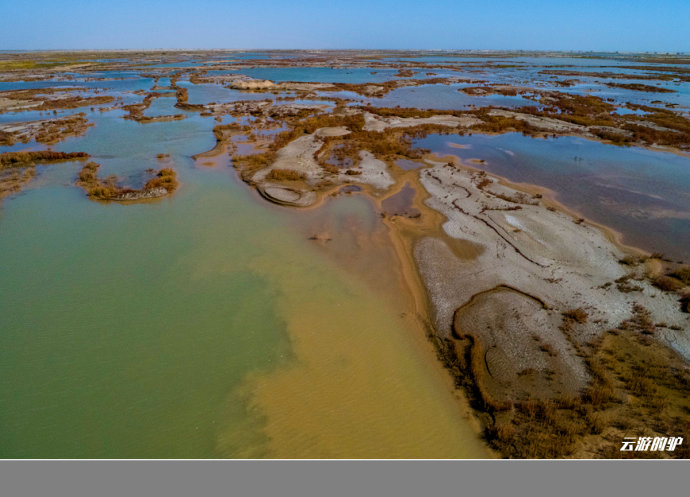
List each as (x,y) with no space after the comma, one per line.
(18,168)
(23,159)
(107,189)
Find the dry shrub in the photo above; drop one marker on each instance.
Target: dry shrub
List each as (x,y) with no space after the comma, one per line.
(6,139)
(599,394)
(685,302)
(285,175)
(88,173)
(21,159)
(166,178)
(640,87)
(330,168)
(578,315)
(108,189)
(597,423)
(74,102)
(640,321)
(503,433)
(624,286)
(682,273)
(639,385)
(668,284)
(548,348)
(631,260)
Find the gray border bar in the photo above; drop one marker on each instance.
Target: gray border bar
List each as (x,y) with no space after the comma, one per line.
(343,478)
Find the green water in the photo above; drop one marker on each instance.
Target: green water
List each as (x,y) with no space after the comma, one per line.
(118,337)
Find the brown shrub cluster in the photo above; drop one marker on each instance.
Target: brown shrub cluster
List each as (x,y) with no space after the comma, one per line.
(285,175)
(24,158)
(6,139)
(108,189)
(74,102)
(685,302)
(165,178)
(682,273)
(640,87)
(624,285)
(44,98)
(672,129)
(409,112)
(502,124)
(668,283)
(639,322)
(489,90)
(578,315)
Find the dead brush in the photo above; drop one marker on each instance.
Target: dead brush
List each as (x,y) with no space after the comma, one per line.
(578,315)
(668,283)
(285,175)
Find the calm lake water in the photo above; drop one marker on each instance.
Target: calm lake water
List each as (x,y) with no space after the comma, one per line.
(643,194)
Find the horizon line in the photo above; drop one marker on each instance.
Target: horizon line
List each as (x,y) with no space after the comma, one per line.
(265,49)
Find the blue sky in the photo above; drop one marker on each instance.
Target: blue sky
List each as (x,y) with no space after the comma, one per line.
(625,25)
